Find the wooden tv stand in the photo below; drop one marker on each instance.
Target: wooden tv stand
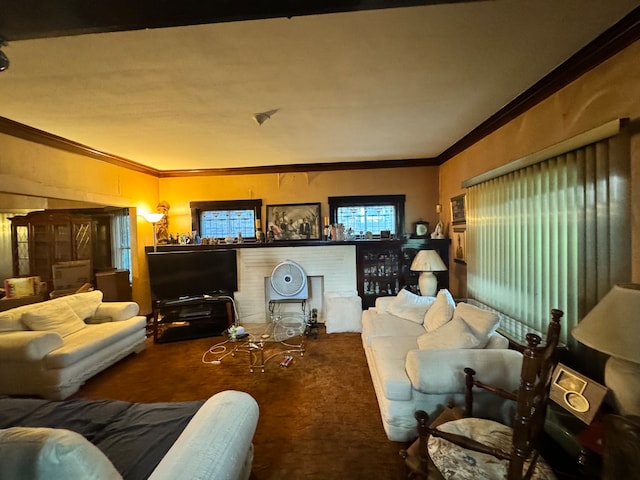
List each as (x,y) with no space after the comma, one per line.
(188,318)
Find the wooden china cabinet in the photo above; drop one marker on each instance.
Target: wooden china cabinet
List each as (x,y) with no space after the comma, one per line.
(384,266)
(42,239)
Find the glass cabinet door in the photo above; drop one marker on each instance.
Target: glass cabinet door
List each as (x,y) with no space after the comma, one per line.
(41,260)
(62,251)
(82,240)
(22,250)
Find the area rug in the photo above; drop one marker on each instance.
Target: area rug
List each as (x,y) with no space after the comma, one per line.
(319,418)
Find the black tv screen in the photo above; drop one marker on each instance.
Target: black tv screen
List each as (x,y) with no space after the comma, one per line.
(192,273)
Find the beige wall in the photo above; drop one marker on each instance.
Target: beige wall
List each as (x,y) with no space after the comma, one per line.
(29,170)
(420,185)
(610,91)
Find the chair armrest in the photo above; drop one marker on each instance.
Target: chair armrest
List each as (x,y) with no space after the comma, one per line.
(118,311)
(25,346)
(442,371)
(216,442)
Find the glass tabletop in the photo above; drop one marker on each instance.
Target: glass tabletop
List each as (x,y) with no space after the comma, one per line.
(281,328)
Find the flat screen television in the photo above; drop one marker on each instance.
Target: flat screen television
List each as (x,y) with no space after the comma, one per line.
(192,273)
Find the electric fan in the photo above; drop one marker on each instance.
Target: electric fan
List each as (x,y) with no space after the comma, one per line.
(288,282)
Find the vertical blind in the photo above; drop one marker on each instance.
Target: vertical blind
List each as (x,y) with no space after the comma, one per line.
(555,234)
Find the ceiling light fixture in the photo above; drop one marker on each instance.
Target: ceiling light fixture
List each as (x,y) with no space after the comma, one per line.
(264,116)
(4,60)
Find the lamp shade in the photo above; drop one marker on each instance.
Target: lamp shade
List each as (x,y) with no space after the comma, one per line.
(613,325)
(428,261)
(153,217)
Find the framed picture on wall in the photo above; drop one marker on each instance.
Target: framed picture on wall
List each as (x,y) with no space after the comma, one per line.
(459,242)
(294,221)
(458,211)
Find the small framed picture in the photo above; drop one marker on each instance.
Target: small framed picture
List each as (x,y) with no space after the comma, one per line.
(460,243)
(576,393)
(294,221)
(458,210)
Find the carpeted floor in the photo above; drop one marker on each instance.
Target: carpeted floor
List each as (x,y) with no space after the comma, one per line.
(319,418)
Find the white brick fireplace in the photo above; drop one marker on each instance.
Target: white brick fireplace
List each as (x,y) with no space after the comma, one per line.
(329,268)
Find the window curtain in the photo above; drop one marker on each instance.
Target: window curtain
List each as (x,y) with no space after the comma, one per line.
(121,240)
(555,234)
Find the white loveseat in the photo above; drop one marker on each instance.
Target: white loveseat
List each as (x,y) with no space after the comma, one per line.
(47,349)
(417,349)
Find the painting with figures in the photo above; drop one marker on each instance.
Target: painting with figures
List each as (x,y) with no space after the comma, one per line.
(295,221)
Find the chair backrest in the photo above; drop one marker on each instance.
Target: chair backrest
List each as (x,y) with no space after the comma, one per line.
(531,400)
(533,393)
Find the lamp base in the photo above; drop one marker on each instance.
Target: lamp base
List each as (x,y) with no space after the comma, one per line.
(428,284)
(623,379)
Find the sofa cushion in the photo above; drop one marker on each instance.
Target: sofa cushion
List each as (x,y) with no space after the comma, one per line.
(389,355)
(53,317)
(440,312)
(448,457)
(39,453)
(482,322)
(84,304)
(442,371)
(382,303)
(453,334)
(410,306)
(386,325)
(93,338)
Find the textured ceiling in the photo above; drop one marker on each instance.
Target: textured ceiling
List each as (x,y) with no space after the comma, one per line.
(400,83)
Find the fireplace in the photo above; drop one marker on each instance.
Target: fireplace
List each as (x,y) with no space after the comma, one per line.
(328,268)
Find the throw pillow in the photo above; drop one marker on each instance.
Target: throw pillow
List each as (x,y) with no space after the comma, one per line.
(482,322)
(39,453)
(410,306)
(84,304)
(440,312)
(56,317)
(454,334)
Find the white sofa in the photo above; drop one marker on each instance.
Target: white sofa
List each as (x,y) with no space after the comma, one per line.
(209,439)
(417,349)
(47,349)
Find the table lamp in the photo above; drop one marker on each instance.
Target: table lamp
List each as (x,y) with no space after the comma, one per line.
(426,262)
(154,218)
(613,327)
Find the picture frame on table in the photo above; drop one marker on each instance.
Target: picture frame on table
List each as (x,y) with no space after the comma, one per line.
(458,210)
(294,221)
(576,393)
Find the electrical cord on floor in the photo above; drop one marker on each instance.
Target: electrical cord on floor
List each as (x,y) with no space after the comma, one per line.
(223,349)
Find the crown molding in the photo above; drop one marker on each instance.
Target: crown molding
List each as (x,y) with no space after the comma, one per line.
(603,47)
(25,132)
(609,43)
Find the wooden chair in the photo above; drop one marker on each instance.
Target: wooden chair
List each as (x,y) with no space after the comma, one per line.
(440,452)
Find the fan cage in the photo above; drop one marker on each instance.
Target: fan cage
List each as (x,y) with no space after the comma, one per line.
(288,279)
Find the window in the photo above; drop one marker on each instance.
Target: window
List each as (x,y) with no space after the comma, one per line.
(554,234)
(121,240)
(371,213)
(219,219)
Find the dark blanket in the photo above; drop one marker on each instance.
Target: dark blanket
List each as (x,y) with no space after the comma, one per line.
(134,436)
